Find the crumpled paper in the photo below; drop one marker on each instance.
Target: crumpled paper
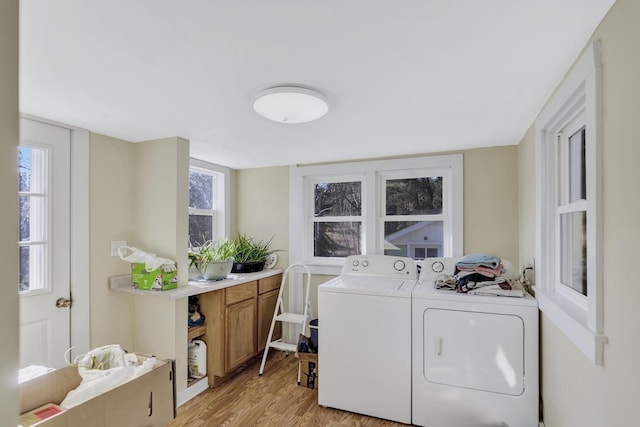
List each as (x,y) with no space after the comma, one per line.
(150,261)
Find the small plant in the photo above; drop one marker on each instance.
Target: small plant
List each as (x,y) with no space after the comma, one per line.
(246,249)
(211,251)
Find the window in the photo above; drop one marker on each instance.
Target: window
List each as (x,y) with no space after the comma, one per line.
(407,207)
(208,202)
(33,216)
(337,218)
(568,249)
(413,218)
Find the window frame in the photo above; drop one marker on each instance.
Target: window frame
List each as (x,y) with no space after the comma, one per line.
(312,219)
(221,197)
(301,203)
(579,96)
(444,217)
(45,170)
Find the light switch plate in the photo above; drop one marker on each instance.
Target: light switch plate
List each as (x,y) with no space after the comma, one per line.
(115,244)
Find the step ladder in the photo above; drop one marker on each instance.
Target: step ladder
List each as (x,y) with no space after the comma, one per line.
(288,318)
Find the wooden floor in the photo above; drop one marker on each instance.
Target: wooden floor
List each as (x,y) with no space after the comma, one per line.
(274,399)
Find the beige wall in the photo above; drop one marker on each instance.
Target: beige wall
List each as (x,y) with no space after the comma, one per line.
(111,211)
(490,204)
(139,193)
(8,210)
(575,392)
(161,221)
(262,207)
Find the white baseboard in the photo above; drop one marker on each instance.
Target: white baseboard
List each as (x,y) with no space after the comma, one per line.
(192,391)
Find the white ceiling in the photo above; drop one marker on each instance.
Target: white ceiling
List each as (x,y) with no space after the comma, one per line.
(401,77)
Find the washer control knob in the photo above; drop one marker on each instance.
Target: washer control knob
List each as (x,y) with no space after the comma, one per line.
(399,265)
(355,263)
(365,263)
(437,267)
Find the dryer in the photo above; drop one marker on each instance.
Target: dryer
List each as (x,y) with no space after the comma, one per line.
(364,356)
(474,358)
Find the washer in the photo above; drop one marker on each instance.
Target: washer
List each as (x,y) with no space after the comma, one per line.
(365,338)
(475,358)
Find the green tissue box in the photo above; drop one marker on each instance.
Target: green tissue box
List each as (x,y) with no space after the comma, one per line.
(160,279)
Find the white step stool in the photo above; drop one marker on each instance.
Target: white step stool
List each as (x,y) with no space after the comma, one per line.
(292,318)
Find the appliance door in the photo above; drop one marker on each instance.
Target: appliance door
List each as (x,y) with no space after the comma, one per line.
(365,354)
(474,350)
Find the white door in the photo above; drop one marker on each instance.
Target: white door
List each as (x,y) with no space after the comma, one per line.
(44,169)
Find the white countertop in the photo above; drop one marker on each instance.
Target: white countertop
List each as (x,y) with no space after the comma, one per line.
(123,284)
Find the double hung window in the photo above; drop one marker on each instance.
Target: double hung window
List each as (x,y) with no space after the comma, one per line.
(413,218)
(568,247)
(208,202)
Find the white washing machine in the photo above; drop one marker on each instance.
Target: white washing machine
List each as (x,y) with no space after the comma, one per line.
(364,356)
(475,358)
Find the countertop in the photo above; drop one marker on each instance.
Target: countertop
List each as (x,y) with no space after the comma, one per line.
(123,284)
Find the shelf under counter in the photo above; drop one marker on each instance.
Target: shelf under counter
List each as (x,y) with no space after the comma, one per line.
(196,331)
(122,284)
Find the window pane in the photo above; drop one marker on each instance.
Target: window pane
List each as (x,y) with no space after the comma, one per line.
(577,169)
(415,196)
(24,217)
(33,265)
(200,190)
(573,251)
(24,168)
(338,199)
(200,229)
(414,239)
(337,239)
(32,218)
(32,169)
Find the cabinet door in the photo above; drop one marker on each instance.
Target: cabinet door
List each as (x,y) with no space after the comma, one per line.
(266,305)
(240,333)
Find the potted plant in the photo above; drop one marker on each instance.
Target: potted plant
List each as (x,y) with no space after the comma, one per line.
(249,255)
(212,260)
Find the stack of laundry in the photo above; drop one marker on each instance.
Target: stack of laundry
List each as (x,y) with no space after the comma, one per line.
(479,274)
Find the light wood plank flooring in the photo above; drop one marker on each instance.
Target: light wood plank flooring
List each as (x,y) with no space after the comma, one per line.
(274,399)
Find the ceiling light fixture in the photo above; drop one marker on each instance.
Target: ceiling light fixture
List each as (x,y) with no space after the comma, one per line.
(291,104)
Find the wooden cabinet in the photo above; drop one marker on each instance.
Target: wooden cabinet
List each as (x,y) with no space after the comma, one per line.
(268,290)
(240,333)
(238,320)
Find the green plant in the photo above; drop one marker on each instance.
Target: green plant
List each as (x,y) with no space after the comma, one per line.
(246,249)
(211,251)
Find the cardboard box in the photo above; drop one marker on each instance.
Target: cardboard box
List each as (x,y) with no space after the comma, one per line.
(308,369)
(148,400)
(160,279)
(38,415)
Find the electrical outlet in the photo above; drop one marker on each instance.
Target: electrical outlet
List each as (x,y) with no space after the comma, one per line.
(115,244)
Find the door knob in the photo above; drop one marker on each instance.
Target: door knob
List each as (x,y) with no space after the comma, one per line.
(63,302)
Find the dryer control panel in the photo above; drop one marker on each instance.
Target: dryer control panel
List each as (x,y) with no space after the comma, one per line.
(380,266)
(433,268)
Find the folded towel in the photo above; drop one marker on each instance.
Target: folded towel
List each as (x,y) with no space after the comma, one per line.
(496,290)
(477,260)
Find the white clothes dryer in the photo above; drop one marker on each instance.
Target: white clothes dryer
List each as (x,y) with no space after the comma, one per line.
(365,337)
(475,358)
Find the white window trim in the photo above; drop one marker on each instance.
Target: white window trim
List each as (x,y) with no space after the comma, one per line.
(222,224)
(299,177)
(580,90)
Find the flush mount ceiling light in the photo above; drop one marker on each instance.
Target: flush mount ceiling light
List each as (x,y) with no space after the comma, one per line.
(291,104)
